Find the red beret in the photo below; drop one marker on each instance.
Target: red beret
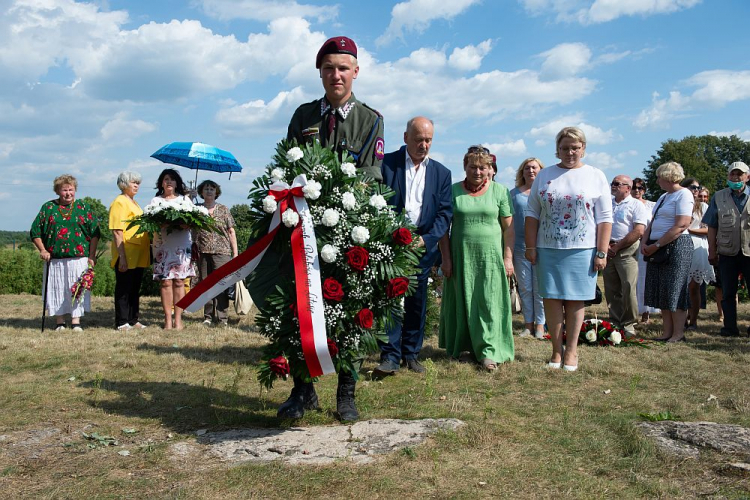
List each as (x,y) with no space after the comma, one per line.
(336,45)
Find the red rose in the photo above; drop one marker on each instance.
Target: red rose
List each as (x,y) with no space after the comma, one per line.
(333,349)
(280,366)
(397,287)
(402,236)
(332,290)
(364,318)
(357,257)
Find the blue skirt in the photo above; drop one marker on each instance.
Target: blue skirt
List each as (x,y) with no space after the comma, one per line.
(566,274)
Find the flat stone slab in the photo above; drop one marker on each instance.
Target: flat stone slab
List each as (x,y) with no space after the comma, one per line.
(360,442)
(686,438)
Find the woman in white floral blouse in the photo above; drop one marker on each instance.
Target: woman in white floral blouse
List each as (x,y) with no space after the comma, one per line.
(568,225)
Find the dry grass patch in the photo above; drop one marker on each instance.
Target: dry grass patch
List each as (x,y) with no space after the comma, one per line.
(530,432)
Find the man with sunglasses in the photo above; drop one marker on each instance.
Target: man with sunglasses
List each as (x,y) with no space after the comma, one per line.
(728,221)
(621,273)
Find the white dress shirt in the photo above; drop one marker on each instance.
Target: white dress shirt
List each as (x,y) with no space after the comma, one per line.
(415,178)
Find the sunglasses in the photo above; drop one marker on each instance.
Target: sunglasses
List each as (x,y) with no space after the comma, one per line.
(639,188)
(694,188)
(618,184)
(478,149)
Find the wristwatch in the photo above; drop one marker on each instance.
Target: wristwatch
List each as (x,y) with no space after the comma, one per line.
(657,244)
(600,255)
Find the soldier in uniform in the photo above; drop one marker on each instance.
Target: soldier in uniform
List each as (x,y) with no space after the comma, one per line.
(341,122)
(338,120)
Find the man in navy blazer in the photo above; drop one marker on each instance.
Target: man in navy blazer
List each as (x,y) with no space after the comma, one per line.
(423,192)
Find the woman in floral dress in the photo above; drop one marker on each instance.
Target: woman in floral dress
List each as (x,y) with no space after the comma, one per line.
(568,225)
(172,251)
(66,233)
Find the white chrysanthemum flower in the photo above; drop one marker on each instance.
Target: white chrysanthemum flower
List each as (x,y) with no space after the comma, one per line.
(202,210)
(377,201)
(277,174)
(329,253)
(269,204)
(349,201)
(294,154)
(591,336)
(290,218)
(330,217)
(360,234)
(615,337)
(312,190)
(349,169)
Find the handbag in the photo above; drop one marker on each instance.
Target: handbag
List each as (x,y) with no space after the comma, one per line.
(661,256)
(515,299)
(243,302)
(597,297)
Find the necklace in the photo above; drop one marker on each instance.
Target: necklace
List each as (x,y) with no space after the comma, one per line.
(472,190)
(66,212)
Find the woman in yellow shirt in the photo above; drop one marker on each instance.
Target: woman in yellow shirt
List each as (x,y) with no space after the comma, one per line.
(130,253)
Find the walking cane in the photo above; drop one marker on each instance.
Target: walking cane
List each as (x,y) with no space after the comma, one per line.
(44,299)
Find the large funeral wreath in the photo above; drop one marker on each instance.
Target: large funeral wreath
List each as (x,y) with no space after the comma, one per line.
(368,257)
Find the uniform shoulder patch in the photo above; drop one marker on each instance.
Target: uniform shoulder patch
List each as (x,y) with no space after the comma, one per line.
(379,148)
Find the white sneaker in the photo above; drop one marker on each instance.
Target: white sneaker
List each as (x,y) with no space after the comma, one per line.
(539,334)
(124,327)
(77,328)
(629,331)
(207,322)
(525,333)
(60,328)
(138,326)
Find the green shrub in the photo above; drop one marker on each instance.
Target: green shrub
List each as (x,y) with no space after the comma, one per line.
(21,271)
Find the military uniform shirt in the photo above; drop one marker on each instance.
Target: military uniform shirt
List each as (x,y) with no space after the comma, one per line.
(358,129)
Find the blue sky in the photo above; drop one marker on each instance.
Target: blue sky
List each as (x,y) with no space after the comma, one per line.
(94,88)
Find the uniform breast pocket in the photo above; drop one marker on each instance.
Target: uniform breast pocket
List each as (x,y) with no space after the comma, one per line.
(354,147)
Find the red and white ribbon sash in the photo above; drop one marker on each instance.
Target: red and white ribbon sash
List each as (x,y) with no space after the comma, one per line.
(310,306)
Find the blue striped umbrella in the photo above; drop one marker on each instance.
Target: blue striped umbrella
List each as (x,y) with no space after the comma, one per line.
(198,156)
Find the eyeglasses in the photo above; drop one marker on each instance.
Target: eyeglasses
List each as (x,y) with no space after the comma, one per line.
(478,149)
(618,184)
(639,188)
(694,188)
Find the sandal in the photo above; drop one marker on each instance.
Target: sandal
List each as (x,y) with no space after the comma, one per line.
(489,365)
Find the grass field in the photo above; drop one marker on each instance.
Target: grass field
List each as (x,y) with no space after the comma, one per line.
(530,433)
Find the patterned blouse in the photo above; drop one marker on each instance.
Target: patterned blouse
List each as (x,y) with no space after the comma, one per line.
(217,243)
(65,231)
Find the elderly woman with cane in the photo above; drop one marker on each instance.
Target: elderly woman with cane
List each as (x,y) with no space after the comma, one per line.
(66,233)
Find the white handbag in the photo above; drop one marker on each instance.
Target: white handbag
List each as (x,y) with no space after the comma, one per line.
(243,302)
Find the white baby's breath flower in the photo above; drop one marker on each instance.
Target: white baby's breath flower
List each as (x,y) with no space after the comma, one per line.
(360,234)
(349,169)
(294,154)
(591,336)
(348,201)
(377,201)
(269,204)
(290,218)
(615,337)
(329,253)
(277,174)
(330,217)
(312,190)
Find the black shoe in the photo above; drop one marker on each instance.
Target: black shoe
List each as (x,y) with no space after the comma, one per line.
(303,397)
(386,368)
(414,365)
(347,411)
(726,332)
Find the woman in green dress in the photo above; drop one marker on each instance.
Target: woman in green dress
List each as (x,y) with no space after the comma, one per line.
(475,319)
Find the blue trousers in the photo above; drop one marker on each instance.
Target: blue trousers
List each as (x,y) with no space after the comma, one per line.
(730,268)
(405,339)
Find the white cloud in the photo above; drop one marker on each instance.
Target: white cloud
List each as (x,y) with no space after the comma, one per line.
(594,135)
(417,15)
(601,11)
(565,60)
(122,130)
(469,58)
(271,116)
(265,10)
(603,161)
(744,135)
(512,148)
(716,89)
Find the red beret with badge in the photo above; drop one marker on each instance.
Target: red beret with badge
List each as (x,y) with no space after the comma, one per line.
(336,45)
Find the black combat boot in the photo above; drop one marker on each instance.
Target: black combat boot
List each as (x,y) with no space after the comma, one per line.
(303,397)
(345,398)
